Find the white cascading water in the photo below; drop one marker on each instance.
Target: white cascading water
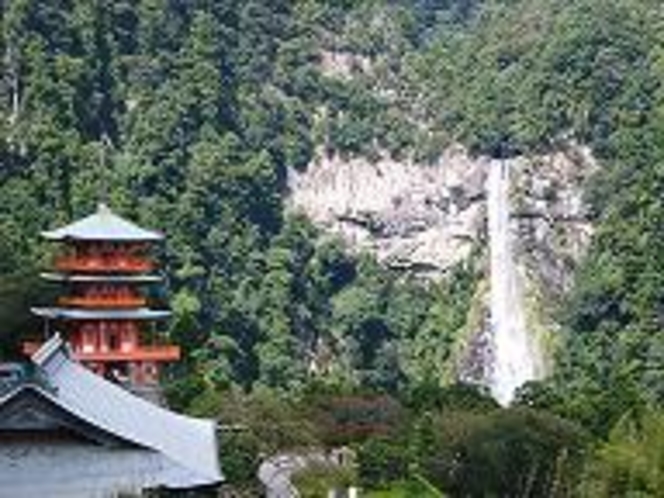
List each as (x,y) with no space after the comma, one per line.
(516,358)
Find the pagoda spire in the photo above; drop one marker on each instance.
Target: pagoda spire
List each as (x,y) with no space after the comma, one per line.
(104,144)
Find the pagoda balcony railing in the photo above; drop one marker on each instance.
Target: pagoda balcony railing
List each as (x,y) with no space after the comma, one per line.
(141,353)
(103,264)
(104,302)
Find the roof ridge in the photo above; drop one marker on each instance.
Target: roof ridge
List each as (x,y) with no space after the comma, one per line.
(48,349)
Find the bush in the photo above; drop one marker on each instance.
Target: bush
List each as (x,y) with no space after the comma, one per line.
(239,455)
(382,461)
(514,452)
(316,481)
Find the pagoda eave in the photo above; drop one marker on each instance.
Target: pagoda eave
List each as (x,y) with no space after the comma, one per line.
(130,279)
(100,237)
(101,314)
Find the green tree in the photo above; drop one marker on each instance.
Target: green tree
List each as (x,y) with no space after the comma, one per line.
(630,462)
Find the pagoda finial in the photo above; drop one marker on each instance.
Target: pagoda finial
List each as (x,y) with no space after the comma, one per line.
(103,173)
(102,208)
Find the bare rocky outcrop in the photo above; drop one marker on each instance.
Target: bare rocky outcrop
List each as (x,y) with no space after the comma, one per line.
(426,218)
(415,217)
(343,65)
(551,220)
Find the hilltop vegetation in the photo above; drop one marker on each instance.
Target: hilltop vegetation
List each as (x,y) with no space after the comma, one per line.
(204,107)
(206,104)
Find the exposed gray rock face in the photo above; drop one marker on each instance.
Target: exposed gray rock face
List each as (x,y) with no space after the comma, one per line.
(427,218)
(422,218)
(550,217)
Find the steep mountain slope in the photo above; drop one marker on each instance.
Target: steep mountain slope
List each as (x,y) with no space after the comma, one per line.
(425,219)
(522,79)
(214,110)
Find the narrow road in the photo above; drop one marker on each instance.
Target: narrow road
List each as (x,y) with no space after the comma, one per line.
(275,473)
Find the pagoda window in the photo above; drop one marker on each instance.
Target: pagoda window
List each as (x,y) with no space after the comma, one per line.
(128,339)
(102,331)
(89,338)
(113,341)
(93,251)
(77,251)
(114,337)
(76,340)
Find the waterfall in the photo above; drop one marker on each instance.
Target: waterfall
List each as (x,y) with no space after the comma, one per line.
(516,358)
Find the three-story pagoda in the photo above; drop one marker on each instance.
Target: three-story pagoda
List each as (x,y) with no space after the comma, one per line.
(104,267)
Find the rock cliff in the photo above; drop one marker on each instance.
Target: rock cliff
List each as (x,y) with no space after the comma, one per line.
(425,219)
(420,218)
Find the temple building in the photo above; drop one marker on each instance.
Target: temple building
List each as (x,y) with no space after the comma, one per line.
(104,267)
(71,424)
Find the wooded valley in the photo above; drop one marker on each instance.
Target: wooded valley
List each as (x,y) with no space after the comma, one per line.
(201,108)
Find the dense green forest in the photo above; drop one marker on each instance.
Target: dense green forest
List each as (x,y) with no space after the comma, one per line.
(200,108)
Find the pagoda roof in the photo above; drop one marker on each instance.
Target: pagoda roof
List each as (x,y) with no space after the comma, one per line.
(126,443)
(77,277)
(101,314)
(103,225)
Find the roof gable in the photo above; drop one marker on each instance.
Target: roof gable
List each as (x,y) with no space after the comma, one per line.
(30,408)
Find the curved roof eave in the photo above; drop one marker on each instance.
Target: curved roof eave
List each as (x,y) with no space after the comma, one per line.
(56,313)
(77,277)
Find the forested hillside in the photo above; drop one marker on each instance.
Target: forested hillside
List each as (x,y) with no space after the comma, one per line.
(204,106)
(187,116)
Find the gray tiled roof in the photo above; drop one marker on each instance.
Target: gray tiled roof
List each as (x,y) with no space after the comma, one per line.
(103,225)
(187,444)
